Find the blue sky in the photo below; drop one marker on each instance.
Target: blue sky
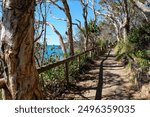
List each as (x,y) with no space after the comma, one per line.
(76,13)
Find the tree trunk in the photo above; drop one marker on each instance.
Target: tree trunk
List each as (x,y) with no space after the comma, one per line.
(126,24)
(85,14)
(86,27)
(125,34)
(117,31)
(69,26)
(17,47)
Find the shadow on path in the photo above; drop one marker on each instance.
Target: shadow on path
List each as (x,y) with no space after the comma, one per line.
(107,79)
(98,95)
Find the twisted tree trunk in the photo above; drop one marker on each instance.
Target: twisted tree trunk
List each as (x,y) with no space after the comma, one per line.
(20,77)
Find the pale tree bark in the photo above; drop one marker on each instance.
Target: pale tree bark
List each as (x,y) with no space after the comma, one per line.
(141,6)
(17,47)
(117,31)
(118,15)
(60,38)
(110,16)
(126,21)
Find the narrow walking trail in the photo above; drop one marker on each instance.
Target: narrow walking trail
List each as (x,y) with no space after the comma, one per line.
(106,77)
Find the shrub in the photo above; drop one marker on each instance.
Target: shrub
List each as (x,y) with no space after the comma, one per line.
(136,50)
(140,37)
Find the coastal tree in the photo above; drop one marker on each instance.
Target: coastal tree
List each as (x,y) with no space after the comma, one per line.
(84,4)
(65,8)
(42,25)
(19,79)
(118,13)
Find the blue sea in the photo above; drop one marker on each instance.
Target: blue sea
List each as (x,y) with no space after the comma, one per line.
(53,51)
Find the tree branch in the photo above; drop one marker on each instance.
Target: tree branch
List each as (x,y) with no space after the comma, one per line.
(58,34)
(57,18)
(37,38)
(141,6)
(54,3)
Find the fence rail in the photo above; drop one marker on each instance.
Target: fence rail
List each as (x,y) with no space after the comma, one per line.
(66,63)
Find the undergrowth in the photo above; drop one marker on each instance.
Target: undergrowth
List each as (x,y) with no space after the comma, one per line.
(54,80)
(136,51)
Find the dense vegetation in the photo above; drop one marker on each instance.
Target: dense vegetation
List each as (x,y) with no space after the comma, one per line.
(135,52)
(121,25)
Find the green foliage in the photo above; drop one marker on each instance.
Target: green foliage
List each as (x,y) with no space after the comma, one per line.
(77,51)
(102,44)
(136,50)
(58,73)
(137,45)
(123,49)
(93,27)
(141,58)
(140,36)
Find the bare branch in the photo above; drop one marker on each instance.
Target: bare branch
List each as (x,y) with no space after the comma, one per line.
(141,6)
(57,32)
(54,3)
(78,22)
(57,17)
(39,36)
(43,18)
(38,63)
(62,19)
(60,37)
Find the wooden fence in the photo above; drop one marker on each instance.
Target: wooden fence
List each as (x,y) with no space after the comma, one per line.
(65,62)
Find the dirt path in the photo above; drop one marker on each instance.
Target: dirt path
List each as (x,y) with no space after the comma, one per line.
(116,83)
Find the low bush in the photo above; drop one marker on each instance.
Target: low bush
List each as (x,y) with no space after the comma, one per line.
(136,51)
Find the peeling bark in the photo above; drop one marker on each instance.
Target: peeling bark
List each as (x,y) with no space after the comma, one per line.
(17,44)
